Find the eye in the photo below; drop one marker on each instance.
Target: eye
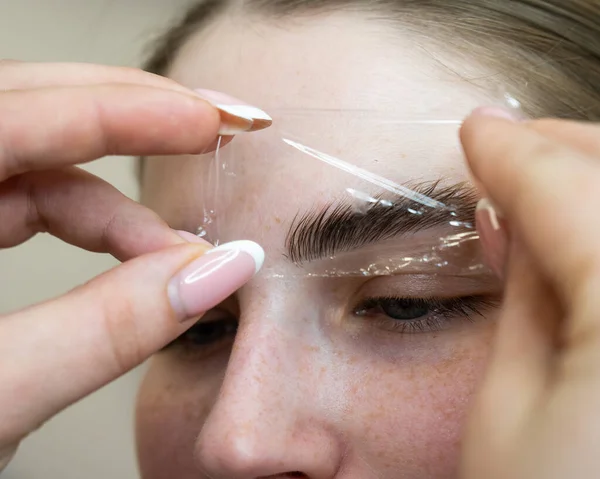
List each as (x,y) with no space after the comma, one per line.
(414,315)
(215,330)
(208,332)
(402,308)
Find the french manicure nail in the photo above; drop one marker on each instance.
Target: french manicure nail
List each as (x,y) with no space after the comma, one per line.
(497,112)
(492,235)
(213,277)
(236,115)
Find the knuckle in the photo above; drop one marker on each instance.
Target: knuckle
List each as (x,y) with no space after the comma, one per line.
(122,332)
(110,238)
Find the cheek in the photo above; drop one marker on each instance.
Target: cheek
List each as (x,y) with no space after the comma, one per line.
(173,403)
(395,416)
(412,415)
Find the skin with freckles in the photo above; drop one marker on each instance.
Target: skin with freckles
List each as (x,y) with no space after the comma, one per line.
(310,385)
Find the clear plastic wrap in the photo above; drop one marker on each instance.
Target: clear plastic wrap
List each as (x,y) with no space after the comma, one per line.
(357,201)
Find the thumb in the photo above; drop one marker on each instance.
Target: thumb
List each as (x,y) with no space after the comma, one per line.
(57,352)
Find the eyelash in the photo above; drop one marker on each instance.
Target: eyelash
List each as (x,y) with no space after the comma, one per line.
(439,312)
(227,324)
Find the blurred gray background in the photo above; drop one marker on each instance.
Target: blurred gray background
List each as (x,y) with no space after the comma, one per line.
(93,439)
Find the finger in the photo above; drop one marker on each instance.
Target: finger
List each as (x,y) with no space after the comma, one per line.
(55,127)
(82,210)
(520,364)
(579,135)
(548,191)
(6,456)
(16,75)
(59,351)
(236,115)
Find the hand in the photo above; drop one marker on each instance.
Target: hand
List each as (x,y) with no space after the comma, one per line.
(537,413)
(51,118)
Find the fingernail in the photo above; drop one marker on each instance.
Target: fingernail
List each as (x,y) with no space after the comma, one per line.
(190,237)
(497,112)
(492,235)
(214,277)
(236,115)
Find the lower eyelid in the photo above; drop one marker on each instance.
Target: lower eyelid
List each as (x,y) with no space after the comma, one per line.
(444,314)
(418,326)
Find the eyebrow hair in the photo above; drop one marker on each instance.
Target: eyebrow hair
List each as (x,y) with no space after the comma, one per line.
(346,226)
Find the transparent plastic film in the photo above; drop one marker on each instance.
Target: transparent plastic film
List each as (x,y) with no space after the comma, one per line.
(347,194)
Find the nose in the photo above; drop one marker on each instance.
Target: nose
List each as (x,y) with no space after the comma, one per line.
(268,420)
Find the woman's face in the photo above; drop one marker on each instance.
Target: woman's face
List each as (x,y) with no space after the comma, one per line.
(325,377)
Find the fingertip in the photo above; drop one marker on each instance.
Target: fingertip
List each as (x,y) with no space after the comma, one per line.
(236,115)
(251,248)
(478,129)
(217,144)
(188,126)
(211,278)
(191,238)
(495,112)
(205,124)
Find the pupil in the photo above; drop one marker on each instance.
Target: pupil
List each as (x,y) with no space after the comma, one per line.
(405,309)
(210,332)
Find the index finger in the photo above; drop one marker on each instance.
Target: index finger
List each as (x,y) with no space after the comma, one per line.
(547,190)
(579,135)
(16,75)
(56,127)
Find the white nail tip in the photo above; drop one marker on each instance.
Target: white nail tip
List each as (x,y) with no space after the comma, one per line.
(486,204)
(250,247)
(245,111)
(228,131)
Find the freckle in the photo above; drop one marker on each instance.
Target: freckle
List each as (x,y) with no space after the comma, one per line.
(403,156)
(351,360)
(277,219)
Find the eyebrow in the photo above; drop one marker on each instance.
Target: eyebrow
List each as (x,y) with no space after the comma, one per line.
(348,225)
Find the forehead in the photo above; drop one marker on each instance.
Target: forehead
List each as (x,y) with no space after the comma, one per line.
(337,65)
(336,61)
